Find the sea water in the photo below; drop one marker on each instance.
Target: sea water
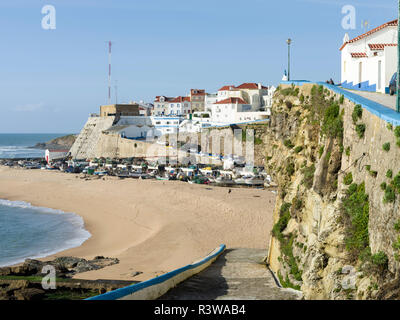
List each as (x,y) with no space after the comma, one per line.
(19,145)
(35,232)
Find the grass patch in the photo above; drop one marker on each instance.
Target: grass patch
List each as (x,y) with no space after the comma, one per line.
(288,144)
(356,207)
(357,113)
(298,149)
(389,195)
(348,179)
(386,147)
(360,129)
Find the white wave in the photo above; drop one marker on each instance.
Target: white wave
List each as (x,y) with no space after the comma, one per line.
(81,234)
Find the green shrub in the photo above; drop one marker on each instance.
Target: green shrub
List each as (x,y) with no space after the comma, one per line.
(290,169)
(373,173)
(389,174)
(397,132)
(321,151)
(301,98)
(288,144)
(383,186)
(380,259)
(396,182)
(389,195)
(389,126)
(357,113)
(332,123)
(348,179)
(397,226)
(386,146)
(298,149)
(356,207)
(341,99)
(284,217)
(348,151)
(360,129)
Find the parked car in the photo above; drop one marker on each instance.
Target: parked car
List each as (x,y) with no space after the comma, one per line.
(392,84)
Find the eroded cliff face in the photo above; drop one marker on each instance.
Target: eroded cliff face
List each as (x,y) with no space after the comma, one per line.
(337,229)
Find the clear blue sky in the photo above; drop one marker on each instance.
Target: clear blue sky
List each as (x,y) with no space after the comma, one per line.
(52,79)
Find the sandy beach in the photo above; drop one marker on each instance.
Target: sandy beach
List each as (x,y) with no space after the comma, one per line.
(151,226)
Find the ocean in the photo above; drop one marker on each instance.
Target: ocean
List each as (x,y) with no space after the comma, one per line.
(33,232)
(18,145)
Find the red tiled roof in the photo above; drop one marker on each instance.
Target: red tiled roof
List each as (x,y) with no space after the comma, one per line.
(392,23)
(358,55)
(227,88)
(157,99)
(181,99)
(381,46)
(250,86)
(232,101)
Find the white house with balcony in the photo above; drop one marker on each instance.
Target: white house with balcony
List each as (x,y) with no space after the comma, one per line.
(369,61)
(235,110)
(180,106)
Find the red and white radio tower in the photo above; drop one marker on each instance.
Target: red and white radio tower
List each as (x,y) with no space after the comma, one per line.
(109,71)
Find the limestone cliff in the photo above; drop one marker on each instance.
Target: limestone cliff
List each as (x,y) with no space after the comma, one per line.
(337,223)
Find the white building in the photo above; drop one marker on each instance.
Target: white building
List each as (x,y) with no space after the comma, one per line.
(235,110)
(255,94)
(52,155)
(165,125)
(180,106)
(161,105)
(209,100)
(370,60)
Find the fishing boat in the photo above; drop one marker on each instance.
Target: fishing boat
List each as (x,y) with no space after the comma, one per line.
(255,181)
(242,180)
(101,173)
(226,181)
(161,178)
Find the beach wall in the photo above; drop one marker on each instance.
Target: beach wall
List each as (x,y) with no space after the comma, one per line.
(86,144)
(317,157)
(156,287)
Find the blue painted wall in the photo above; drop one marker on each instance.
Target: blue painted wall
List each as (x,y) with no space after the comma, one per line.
(383,112)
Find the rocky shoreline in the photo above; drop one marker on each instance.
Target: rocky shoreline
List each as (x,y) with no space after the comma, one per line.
(64,142)
(24,282)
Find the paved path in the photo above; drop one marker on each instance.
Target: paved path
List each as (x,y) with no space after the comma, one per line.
(385,99)
(238,274)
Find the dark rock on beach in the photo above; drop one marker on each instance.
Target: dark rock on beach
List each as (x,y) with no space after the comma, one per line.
(23,282)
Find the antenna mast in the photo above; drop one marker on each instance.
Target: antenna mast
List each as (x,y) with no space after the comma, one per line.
(109,71)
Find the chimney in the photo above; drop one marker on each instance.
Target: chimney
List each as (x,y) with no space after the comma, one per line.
(259,86)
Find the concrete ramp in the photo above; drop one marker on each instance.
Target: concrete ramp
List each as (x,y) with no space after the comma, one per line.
(85,145)
(238,274)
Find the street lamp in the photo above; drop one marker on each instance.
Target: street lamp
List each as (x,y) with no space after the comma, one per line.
(289,41)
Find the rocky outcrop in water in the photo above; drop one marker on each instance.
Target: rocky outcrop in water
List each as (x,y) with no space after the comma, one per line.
(60,143)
